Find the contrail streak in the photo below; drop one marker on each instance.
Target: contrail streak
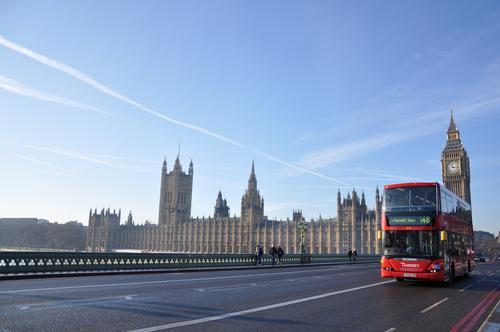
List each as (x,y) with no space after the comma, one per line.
(70,154)
(16,87)
(298,168)
(105,89)
(109,91)
(41,162)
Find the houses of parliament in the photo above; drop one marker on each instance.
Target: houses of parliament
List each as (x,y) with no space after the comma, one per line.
(355,225)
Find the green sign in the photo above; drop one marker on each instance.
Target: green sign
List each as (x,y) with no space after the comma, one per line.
(410,221)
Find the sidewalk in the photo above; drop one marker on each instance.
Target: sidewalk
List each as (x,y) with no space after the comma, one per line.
(171,270)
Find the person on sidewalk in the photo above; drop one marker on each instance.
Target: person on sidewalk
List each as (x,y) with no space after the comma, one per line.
(349,254)
(259,255)
(280,254)
(273,253)
(354,254)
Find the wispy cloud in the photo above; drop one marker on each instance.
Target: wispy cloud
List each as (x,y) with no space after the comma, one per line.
(492,161)
(331,155)
(105,89)
(127,159)
(415,127)
(109,91)
(386,176)
(308,170)
(71,154)
(16,87)
(41,162)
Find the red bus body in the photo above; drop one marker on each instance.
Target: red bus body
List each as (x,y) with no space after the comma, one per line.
(432,240)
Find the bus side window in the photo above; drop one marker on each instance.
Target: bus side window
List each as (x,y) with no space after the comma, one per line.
(450,204)
(443,202)
(453,244)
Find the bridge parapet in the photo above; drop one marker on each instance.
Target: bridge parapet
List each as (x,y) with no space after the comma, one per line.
(41,262)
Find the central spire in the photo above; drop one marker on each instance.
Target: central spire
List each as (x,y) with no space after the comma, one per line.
(453,133)
(252,181)
(453,126)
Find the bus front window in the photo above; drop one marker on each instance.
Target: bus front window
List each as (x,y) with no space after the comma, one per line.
(411,243)
(408,199)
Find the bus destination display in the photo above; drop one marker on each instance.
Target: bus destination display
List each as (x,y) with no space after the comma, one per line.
(410,221)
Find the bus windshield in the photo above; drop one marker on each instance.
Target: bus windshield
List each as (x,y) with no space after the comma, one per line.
(411,243)
(410,199)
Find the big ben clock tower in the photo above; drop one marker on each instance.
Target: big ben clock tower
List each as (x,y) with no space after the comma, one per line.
(455,164)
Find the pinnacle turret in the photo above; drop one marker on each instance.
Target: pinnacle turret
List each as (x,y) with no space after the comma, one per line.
(177,165)
(221,207)
(452,127)
(252,180)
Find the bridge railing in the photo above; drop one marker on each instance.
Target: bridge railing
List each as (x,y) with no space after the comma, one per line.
(39,262)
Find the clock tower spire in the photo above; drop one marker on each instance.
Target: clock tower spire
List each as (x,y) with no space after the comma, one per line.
(455,163)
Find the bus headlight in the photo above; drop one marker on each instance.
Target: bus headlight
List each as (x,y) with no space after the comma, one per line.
(435,267)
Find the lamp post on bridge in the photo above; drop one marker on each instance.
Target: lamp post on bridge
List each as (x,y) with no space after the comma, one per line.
(302,229)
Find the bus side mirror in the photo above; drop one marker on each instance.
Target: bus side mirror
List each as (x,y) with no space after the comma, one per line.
(443,235)
(379,235)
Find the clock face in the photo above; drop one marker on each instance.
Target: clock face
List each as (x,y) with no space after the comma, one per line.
(453,167)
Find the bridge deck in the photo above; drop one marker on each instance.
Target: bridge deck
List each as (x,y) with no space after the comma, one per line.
(313,298)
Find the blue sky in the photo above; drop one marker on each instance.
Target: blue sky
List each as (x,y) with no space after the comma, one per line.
(324,95)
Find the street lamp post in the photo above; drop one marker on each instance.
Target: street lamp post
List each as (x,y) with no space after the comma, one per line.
(302,229)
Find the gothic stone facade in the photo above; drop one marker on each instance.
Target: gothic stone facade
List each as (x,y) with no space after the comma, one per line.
(354,227)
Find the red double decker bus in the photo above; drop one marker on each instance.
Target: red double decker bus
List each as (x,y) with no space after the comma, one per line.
(427,233)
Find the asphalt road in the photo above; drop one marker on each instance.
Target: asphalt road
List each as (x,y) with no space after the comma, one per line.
(312,298)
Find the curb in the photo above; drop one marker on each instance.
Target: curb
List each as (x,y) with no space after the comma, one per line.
(492,322)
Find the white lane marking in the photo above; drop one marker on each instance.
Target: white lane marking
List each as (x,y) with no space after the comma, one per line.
(491,274)
(391,329)
(481,279)
(466,288)
(162,281)
(74,303)
(226,288)
(434,305)
(258,309)
(304,278)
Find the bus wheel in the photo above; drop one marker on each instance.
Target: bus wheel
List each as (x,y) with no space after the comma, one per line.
(466,274)
(400,279)
(452,275)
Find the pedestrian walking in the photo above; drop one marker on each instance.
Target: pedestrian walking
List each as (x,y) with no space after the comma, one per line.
(280,254)
(349,254)
(273,252)
(354,254)
(259,255)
